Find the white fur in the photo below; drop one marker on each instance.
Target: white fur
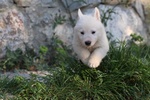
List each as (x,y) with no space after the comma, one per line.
(92,54)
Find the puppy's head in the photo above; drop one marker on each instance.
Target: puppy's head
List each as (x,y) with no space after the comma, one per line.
(88,28)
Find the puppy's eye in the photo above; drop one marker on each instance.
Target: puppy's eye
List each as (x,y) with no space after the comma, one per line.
(93,32)
(82,33)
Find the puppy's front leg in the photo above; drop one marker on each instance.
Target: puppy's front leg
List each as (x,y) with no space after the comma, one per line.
(97,55)
(82,53)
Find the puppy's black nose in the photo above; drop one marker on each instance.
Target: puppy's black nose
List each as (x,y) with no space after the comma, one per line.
(88,43)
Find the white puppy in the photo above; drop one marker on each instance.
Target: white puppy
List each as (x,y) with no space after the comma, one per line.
(90,42)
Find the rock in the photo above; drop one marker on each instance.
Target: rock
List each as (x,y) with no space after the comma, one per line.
(146,4)
(3,5)
(139,9)
(40,25)
(33,22)
(12,30)
(42,3)
(73,5)
(115,2)
(123,22)
(25,74)
(64,32)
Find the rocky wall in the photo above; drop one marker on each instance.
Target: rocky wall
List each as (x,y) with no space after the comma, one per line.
(32,23)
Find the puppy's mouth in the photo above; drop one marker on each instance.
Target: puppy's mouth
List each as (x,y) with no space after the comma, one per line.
(90,48)
(89,44)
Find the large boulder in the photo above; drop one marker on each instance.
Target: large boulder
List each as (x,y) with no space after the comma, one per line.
(123,21)
(13,32)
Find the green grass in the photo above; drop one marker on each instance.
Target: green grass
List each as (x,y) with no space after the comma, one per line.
(124,74)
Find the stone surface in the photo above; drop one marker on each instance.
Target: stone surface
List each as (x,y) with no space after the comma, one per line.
(33,22)
(73,5)
(42,3)
(3,5)
(114,2)
(123,22)
(138,7)
(146,4)
(12,30)
(24,73)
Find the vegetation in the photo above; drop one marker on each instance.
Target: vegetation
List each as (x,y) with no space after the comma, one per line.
(58,20)
(124,74)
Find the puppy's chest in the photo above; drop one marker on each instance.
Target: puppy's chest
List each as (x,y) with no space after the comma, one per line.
(91,49)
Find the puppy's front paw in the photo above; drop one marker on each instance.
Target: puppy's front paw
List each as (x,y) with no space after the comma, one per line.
(94,63)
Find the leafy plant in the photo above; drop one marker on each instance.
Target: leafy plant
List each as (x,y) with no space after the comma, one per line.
(107,15)
(13,59)
(17,59)
(136,37)
(43,50)
(59,19)
(41,61)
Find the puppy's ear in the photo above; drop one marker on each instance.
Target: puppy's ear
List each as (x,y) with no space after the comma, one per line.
(97,14)
(80,14)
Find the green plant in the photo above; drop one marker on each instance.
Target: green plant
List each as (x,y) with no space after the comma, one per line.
(41,62)
(43,50)
(105,16)
(123,75)
(136,37)
(18,59)
(13,59)
(24,89)
(59,19)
